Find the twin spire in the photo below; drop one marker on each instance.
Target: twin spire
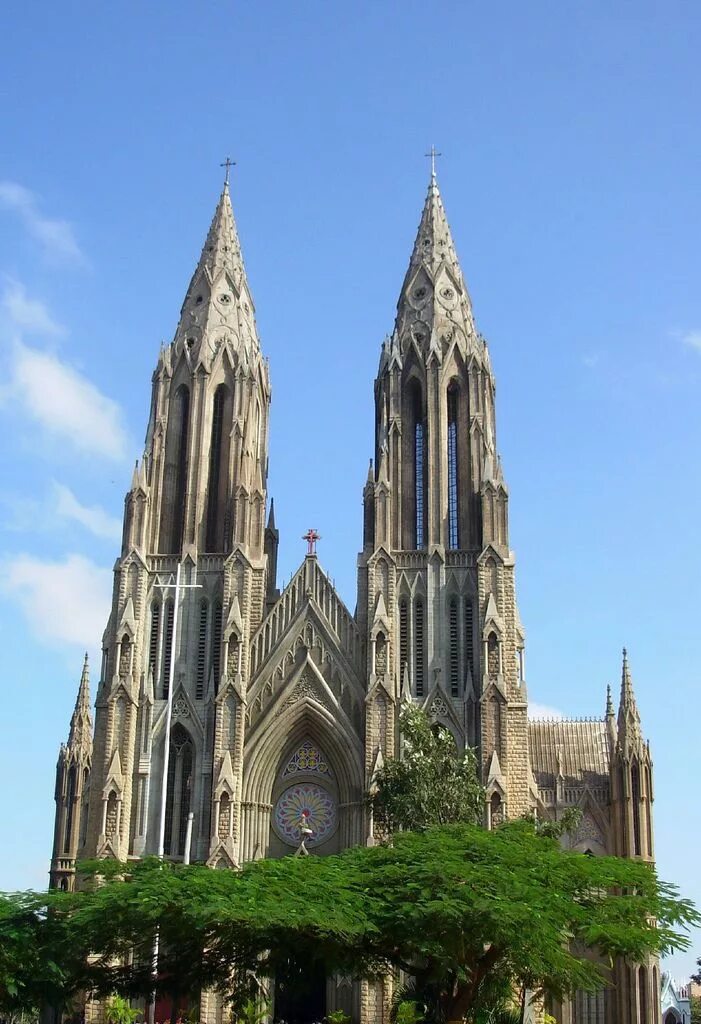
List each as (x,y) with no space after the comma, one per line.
(434,307)
(218,304)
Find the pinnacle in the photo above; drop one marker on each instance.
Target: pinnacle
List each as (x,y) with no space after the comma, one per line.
(609,702)
(218,295)
(628,715)
(434,241)
(434,300)
(222,249)
(80,734)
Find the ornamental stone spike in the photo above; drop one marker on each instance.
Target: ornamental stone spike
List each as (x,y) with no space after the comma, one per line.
(628,715)
(218,302)
(80,734)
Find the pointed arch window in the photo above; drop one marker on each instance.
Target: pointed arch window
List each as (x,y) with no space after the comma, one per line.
(642,990)
(496,810)
(175,475)
(419,443)
(403,637)
(635,798)
(154,638)
(70,807)
(454,658)
(419,648)
(202,650)
(218,469)
(493,655)
(468,640)
(453,510)
(380,655)
(216,644)
(179,792)
(167,648)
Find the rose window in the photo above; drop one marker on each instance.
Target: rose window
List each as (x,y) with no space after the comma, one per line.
(305,806)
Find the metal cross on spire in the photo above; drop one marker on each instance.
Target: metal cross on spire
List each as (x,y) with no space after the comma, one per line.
(433,153)
(311,537)
(228,164)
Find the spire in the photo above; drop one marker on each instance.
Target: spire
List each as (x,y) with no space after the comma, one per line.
(610,721)
(434,242)
(628,715)
(218,295)
(271,515)
(80,734)
(609,702)
(434,298)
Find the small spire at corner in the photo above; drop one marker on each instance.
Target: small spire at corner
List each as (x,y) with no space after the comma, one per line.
(609,702)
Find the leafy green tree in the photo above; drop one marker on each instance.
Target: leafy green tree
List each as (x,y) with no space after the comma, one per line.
(431,784)
(118,1011)
(36,966)
(465,911)
(695,1010)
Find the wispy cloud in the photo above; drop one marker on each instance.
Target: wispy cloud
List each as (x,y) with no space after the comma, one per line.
(692,339)
(543,711)
(28,314)
(55,236)
(92,517)
(65,403)
(65,602)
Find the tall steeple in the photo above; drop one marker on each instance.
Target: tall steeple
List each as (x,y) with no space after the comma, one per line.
(436,553)
(198,500)
(72,789)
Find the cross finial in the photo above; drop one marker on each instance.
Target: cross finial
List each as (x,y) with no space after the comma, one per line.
(433,153)
(228,164)
(311,537)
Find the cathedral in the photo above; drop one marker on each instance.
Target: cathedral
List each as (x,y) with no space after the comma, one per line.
(236,721)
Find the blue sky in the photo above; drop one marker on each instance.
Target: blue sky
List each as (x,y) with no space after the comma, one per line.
(570,174)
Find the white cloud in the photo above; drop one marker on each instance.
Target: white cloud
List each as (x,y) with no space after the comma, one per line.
(66,602)
(692,339)
(55,236)
(28,314)
(92,517)
(543,711)
(67,404)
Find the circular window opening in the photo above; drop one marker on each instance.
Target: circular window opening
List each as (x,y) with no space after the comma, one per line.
(305,811)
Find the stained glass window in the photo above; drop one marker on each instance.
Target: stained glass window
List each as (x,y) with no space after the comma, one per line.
(307,759)
(305,806)
(453,467)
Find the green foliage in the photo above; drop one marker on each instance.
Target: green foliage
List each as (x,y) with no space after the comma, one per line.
(35,960)
(432,784)
(695,1010)
(472,915)
(118,1011)
(251,1011)
(408,1012)
(338,1017)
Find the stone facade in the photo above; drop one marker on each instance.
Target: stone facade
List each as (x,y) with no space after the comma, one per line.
(281,706)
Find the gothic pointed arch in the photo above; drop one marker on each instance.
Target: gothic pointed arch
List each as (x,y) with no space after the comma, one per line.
(175,472)
(218,475)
